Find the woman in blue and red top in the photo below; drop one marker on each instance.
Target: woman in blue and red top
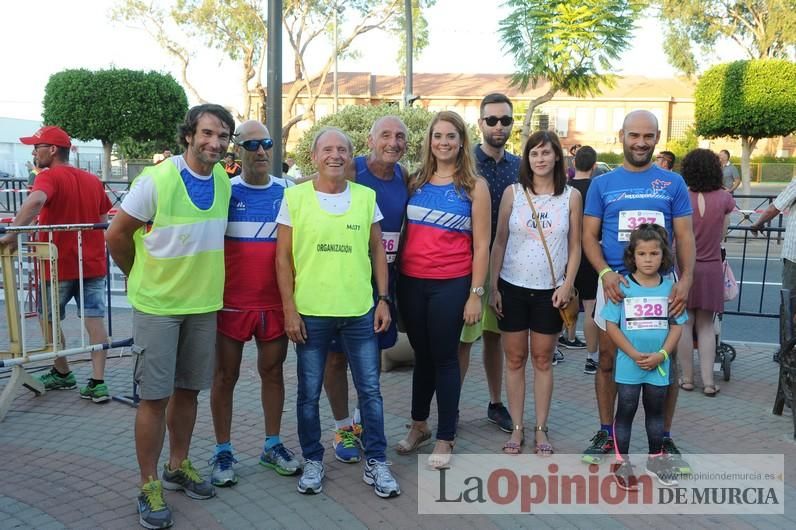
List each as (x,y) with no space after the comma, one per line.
(443,266)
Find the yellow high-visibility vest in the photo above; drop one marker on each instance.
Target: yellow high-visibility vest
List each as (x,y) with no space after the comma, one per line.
(179,262)
(331,253)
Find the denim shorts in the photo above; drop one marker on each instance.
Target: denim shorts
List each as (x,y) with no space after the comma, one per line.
(93,301)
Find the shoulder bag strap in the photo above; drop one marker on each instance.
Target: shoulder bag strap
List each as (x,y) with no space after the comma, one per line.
(541,235)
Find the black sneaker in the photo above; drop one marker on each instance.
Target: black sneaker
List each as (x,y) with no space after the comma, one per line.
(662,469)
(499,415)
(591,367)
(574,344)
(558,357)
(153,512)
(625,475)
(601,444)
(681,467)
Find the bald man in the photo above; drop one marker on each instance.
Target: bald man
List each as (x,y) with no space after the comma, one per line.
(634,193)
(252,305)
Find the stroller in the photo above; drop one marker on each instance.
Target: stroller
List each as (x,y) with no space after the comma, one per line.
(725,353)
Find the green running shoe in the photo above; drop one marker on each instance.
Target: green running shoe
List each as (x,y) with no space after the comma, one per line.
(97,393)
(601,444)
(153,512)
(52,380)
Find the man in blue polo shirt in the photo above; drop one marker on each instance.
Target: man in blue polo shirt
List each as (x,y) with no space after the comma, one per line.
(636,192)
(500,169)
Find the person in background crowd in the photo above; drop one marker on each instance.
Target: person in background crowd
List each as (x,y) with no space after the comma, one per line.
(730,178)
(665,160)
(571,161)
(500,169)
(175,273)
(231,166)
(712,206)
(64,194)
(586,279)
(252,306)
(535,259)
(443,266)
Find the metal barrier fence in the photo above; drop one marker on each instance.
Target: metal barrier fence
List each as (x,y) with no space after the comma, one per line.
(754,248)
(17,288)
(13,192)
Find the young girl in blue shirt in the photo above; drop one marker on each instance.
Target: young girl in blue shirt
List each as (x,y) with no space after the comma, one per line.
(644,332)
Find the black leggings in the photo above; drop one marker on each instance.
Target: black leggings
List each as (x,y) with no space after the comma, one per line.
(432,311)
(653,398)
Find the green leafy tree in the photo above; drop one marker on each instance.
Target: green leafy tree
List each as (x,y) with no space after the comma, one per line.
(238,29)
(682,146)
(762,28)
(113,105)
(570,44)
(749,100)
(356,121)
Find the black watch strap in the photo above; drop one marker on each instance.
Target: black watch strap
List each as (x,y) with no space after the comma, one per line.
(384,297)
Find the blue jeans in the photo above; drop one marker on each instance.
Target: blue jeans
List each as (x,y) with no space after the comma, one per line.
(361,347)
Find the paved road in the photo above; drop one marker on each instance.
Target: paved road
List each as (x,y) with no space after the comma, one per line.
(70,464)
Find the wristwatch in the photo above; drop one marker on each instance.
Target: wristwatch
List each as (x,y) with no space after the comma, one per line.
(478,291)
(384,298)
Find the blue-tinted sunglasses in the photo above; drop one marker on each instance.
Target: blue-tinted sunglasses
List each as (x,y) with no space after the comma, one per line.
(254,145)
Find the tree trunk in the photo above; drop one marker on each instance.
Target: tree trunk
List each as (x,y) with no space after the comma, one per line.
(106,159)
(526,122)
(747,146)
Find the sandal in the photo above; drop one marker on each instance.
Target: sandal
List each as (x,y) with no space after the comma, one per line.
(543,448)
(687,385)
(514,448)
(711,390)
(441,460)
(408,446)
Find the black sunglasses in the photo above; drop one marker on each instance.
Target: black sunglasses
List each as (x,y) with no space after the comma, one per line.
(254,145)
(505,121)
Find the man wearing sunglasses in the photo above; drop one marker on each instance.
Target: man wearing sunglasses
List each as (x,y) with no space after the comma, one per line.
(252,306)
(175,269)
(500,169)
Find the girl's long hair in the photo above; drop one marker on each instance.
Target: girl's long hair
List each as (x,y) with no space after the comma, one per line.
(466,175)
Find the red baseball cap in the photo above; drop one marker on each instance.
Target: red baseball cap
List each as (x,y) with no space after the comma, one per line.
(49,134)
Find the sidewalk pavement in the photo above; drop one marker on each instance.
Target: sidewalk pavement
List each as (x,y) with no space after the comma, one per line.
(69,463)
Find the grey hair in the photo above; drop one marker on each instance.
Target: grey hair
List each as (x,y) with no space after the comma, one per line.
(334,130)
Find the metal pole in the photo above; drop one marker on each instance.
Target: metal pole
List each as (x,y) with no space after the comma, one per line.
(273,109)
(336,52)
(409,38)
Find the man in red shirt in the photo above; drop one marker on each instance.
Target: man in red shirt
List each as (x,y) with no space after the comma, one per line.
(64,194)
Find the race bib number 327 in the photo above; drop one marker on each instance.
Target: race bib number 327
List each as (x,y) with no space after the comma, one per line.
(629,220)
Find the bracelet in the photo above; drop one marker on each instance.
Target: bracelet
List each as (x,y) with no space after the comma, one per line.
(604,272)
(665,357)
(665,354)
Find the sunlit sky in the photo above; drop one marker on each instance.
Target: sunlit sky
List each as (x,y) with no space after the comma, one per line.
(43,37)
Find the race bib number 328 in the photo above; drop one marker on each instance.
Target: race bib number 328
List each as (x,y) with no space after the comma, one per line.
(629,220)
(646,312)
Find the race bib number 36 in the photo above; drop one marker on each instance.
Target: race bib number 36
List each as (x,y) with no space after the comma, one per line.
(646,312)
(390,241)
(629,220)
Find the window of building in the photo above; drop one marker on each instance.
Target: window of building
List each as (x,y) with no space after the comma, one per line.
(600,119)
(582,116)
(562,122)
(619,117)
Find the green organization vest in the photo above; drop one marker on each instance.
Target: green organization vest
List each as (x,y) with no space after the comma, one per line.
(331,253)
(179,263)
